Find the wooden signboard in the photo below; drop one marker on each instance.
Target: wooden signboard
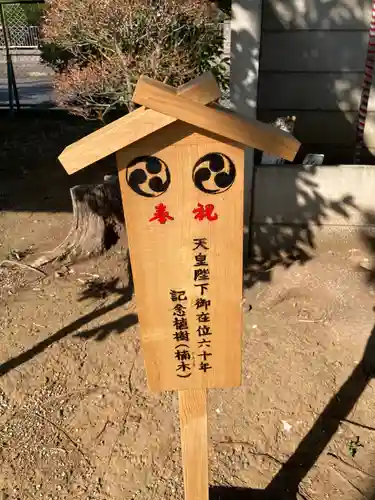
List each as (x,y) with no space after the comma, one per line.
(181,173)
(184,211)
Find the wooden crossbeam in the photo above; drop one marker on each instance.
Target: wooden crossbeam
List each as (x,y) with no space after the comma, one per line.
(134,126)
(247,132)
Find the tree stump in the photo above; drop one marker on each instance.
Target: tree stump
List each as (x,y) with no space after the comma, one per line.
(98,222)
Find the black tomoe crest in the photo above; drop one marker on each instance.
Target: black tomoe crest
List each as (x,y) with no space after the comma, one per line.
(214,173)
(148,176)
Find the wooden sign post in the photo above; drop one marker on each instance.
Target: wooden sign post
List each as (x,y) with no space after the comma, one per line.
(181,173)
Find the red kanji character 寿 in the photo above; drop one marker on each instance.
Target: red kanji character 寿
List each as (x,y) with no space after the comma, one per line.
(161,214)
(205,212)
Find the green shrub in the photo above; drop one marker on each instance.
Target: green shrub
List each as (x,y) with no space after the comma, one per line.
(33,12)
(100,48)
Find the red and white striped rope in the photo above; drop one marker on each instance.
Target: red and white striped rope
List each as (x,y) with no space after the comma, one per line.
(366,89)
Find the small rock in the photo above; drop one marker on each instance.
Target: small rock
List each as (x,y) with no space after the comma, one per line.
(365,264)
(286,425)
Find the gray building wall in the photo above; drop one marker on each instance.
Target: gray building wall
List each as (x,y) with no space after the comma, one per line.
(244,52)
(312,58)
(311,65)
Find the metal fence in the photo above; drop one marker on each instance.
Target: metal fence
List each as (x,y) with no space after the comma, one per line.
(26,37)
(20,33)
(25,81)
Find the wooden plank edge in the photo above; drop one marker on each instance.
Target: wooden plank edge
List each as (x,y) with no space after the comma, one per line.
(248,132)
(194,443)
(86,151)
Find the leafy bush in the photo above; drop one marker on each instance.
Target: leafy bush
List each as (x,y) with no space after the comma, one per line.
(33,12)
(100,48)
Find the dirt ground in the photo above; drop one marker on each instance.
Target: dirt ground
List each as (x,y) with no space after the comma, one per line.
(76,418)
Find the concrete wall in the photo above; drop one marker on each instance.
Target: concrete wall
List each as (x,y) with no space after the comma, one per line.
(298,210)
(311,64)
(312,57)
(295,194)
(244,52)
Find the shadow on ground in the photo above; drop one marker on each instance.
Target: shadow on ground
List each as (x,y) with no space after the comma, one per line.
(285,485)
(31,179)
(93,290)
(286,230)
(273,240)
(228,493)
(31,176)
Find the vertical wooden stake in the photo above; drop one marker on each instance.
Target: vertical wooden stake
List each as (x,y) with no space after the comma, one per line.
(194,444)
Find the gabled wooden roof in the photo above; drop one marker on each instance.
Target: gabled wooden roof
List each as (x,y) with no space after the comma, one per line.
(134,126)
(251,133)
(166,105)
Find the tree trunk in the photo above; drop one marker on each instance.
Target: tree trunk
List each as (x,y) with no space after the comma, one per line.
(98,222)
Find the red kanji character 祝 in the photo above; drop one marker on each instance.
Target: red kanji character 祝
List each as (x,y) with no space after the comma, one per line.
(205,212)
(161,214)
